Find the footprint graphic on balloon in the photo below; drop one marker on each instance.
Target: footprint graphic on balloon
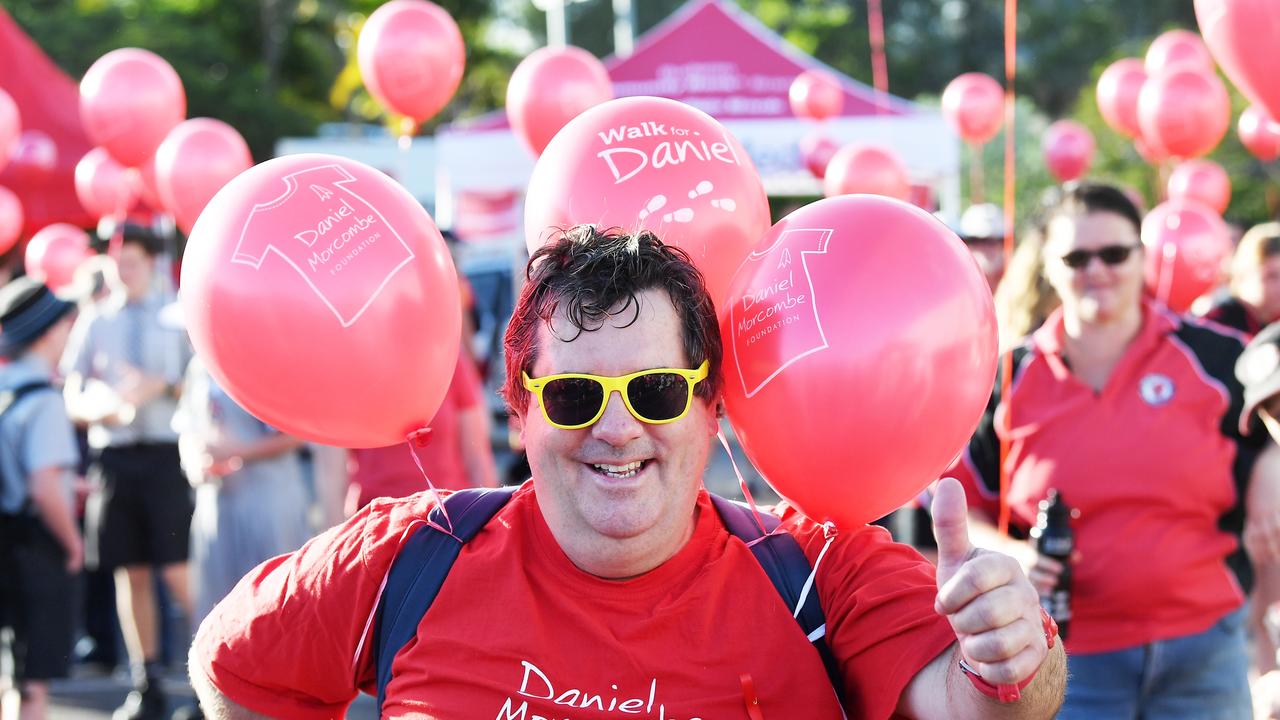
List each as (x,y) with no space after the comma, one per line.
(686,214)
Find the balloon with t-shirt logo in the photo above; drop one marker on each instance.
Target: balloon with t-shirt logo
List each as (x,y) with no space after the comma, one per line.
(654,163)
(856,369)
(322,298)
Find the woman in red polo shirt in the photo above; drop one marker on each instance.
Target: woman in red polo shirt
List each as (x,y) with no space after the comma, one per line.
(1130,413)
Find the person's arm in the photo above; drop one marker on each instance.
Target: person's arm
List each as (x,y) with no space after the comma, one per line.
(263,448)
(477,453)
(995,613)
(48,495)
(1262,507)
(329,467)
(213,703)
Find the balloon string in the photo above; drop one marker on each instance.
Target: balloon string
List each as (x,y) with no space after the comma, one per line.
(420,438)
(1008,692)
(879,63)
(746,491)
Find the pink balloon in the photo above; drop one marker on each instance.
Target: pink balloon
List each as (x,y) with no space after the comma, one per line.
(129,100)
(973,104)
(102,186)
(1186,243)
(411,57)
(816,150)
(1243,36)
(193,163)
(11,219)
(34,159)
(297,279)
(866,169)
(1152,155)
(835,339)
(1203,181)
(1176,47)
(1068,150)
(550,87)
(54,253)
(816,95)
(1184,111)
(10,127)
(654,163)
(1117,94)
(1259,134)
(144,185)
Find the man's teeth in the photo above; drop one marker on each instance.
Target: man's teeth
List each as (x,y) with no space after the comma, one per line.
(620,471)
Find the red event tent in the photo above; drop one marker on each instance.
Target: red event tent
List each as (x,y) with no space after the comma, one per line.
(720,59)
(48,100)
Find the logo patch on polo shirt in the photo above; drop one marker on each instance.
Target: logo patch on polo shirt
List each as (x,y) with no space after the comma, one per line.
(1156,389)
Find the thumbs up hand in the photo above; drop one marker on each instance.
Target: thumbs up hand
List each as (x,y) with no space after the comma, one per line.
(989,601)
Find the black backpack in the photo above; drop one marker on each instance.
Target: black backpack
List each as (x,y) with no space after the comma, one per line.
(425,558)
(9,400)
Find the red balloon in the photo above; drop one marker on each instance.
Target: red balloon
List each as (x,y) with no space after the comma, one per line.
(1176,47)
(1186,245)
(549,88)
(144,185)
(1117,94)
(816,150)
(658,164)
(1243,36)
(816,95)
(1259,134)
(193,163)
(297,281)
(102,186)
(129,100)
(10,127)
(866,169)
(1203,181)
(1068,150)
(54,253)
(11,218)
(973,104)
(1184,111)
(34,159)
(838,344)
(411,57)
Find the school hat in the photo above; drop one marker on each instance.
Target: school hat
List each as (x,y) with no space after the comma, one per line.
(1258,369)
(27,310)
(984,221)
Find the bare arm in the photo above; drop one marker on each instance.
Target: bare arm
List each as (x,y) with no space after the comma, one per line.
(1262,507)
(50,501)
(477,455)
(215,705)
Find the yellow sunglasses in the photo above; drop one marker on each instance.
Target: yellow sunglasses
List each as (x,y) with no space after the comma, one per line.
(571,401)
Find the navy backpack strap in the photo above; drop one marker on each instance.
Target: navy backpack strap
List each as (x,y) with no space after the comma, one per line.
(784,561)
(419,570)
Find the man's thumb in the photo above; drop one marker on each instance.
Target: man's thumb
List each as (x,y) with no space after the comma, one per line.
(950,527)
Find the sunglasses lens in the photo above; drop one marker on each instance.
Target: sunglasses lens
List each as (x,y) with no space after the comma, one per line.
(1076,259)
(1115,254)
(572,401)
(658,396)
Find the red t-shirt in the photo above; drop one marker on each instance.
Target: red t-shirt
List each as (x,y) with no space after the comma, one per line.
(518,631)
(390,472)
(1154,463)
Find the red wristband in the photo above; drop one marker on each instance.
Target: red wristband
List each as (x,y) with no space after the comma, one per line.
(1010,693)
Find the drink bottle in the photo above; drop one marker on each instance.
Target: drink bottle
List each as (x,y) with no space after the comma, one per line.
(1054,539)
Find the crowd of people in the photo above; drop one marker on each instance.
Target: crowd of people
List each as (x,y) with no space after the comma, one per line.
(122,456)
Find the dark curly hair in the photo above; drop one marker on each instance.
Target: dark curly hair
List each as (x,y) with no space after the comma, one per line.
(592,275)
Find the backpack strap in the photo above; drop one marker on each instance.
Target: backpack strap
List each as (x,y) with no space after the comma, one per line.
(420,568)
(784,561)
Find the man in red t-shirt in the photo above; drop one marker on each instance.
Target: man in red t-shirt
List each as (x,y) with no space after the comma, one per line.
(608,586)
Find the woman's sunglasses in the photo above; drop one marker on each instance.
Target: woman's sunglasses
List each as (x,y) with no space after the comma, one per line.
(1110,255)
(575,400)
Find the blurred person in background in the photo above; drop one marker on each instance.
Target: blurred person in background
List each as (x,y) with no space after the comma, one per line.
(1254,299)
(982,229)
(1024,298)
(41,552)
(123,367)
(1132,414)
